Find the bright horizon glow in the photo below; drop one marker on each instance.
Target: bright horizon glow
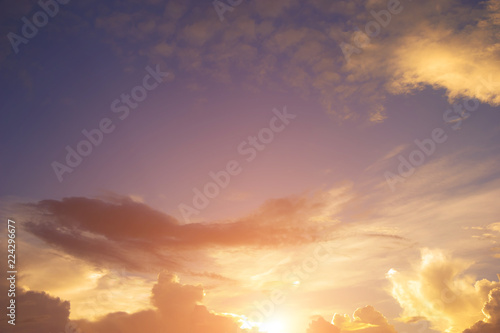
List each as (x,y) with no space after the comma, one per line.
(251,166)
(274,325)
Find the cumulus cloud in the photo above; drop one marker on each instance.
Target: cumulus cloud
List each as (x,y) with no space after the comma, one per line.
(320,325)
(41,312)
(177,310)
(439,291)
(35,311)
(491,310)
(364,320)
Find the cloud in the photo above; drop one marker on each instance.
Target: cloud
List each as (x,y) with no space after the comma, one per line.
(110,245)
(439,291)
(491,310)
(285,45)
(275,8)
(200,32)
(177,307)
(213,276)
(489,234)
(171,297)
(41,312)
(290,46)
(320,325)
(440,60)
(124,232)
(35,311)
(441,44)
(364,320)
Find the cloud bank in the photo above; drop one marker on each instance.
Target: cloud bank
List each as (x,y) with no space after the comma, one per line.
(439,291)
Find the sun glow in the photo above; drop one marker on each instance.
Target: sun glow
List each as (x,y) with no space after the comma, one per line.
(276,325)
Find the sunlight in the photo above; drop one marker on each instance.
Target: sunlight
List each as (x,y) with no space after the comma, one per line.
(275,326)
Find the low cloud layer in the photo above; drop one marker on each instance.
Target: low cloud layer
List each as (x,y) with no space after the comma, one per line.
(177,309)
(364,320)
(34,312)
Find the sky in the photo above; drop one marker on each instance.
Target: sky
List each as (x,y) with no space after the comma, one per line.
(250,166)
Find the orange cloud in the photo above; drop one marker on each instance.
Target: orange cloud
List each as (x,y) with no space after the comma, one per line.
(131,234)
(320,325)
(177,310)
(365,320)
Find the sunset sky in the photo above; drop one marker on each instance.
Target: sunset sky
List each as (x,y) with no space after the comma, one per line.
(251,166)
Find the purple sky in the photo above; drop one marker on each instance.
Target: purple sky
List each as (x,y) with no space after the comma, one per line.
(279,126)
